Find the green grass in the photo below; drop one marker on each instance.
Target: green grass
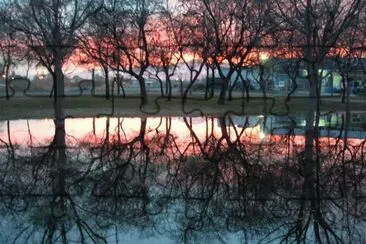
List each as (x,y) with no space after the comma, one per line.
(27,107)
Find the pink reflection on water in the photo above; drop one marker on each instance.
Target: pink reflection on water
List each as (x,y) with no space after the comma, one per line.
(81,129)
(33,133)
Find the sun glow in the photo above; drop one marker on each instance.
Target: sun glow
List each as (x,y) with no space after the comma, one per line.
(263,57)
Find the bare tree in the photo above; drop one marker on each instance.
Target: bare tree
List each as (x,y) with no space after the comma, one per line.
(318,25)
(97,49)
(48,28)
(164,54)
(192,51)
(6,48)
(103,37)
(130,33)
(233,29)
(11,50)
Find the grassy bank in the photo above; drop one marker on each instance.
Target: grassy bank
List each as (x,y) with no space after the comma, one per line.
(86,106)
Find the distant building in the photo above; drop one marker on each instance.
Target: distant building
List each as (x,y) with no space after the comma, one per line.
(282,75)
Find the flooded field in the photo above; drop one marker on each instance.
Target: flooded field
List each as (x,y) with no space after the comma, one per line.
(232,179)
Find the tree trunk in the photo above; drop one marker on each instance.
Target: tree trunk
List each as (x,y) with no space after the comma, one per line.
(166,87)
(331,85)
(314,95)
(106,79)
(142,131)
(143,92)
(168,84)
(207,81)
(309,163)
(311,132)
(10,143)
(263,82)
(213,82)
(93,83)
(59,184)
(162,93)
(59,90)
(224,88)
(61,154)
(7,67)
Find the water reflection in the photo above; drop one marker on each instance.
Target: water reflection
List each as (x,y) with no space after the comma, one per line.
(232,179)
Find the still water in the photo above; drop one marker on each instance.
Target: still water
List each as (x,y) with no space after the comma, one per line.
(232,179)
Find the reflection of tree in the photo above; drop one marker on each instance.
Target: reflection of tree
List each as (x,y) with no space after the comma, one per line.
(120,185)
(211,187)
(7,143)
(321,210)
(40,195)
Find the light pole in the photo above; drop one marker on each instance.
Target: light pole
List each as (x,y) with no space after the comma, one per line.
(263,59)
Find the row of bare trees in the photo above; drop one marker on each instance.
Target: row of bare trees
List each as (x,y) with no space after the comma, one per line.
(147,39)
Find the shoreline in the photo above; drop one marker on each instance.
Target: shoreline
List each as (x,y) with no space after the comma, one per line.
(83,107)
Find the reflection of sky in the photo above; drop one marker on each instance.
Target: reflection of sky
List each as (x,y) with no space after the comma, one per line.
(81,129)
(41,131)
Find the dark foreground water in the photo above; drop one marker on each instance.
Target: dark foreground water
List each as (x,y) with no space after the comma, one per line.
(234,179)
